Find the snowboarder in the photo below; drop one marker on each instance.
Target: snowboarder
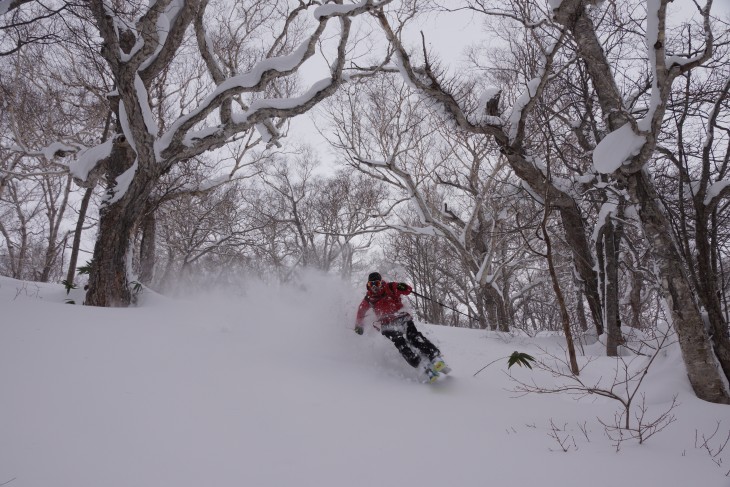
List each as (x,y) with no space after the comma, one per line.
(384,298)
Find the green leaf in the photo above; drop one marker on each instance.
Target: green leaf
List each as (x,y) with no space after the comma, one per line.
(520,358)
(68,285)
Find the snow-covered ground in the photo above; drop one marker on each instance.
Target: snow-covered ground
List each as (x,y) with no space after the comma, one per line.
(273,388)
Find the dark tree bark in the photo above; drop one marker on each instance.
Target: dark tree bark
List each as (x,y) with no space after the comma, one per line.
(563,308)
(73,260)
(575,236)
(118,222)
(147,248)
(611,245)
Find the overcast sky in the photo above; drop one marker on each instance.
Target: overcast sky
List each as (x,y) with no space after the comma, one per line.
(448,35)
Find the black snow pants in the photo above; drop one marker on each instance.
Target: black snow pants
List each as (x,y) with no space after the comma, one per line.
(406,338)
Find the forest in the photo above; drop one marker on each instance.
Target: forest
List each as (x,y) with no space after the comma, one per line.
(569,172)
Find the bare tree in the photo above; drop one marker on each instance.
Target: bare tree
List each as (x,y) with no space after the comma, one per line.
(481,117)
(447,177)
(700,353)
(343,208)
(571,29)
(24,22)
(241,83)
(632,420)
(323,219)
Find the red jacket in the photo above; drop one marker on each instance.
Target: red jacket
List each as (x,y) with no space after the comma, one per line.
(385,304)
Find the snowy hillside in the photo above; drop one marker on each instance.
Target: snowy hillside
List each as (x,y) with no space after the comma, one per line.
(274,389)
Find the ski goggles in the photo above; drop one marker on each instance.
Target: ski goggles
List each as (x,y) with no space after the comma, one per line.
(375,286)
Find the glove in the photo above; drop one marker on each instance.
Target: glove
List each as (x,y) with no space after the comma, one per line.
(402,286)
(359,330)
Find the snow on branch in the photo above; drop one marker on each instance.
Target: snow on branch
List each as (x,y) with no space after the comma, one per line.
(143,98)
(179,140)
(535,87)
(333,9)
(164,24)
(427,231)
(373,162)
(424,81)
(31,174)
(121,184)
(717,191)
(721,188)
(631,145)
(616,148)
(55,149)
(609,209)
(487,104)
(431,226)
(89,159)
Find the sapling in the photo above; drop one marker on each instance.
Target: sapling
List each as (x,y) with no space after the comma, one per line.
(562,437)
(631,421)
(715,451)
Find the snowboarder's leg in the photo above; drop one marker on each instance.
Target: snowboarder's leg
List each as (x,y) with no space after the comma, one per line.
(428,349)
(422,343)
(405,350)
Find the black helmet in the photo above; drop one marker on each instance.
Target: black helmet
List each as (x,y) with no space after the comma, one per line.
(374,276)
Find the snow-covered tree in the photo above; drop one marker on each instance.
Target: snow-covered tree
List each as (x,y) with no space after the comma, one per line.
(185,78)
(630,123)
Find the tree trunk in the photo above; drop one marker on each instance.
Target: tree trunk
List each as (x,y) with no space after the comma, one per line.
(575,236)
(611,239)
(563,308)
(55,218)
(73,261)
(71,275)
(708,379)
(709,293)
(108,284)
(147,250)
(108,281)
(580,308)
(495,304)
(575,232)
(486,315)
(637,284)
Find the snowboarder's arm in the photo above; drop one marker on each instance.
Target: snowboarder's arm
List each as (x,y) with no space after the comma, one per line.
(361,312)
(401,288)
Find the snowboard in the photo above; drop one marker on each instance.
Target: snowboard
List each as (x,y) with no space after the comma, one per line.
(437,371)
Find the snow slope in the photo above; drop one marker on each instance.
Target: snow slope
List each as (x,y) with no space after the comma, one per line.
(272,388)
